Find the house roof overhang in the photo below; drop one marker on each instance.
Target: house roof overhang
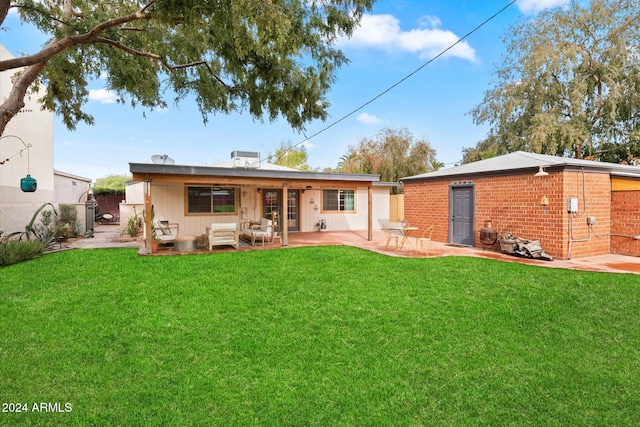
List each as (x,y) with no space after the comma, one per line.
(249,176)
(68,175)
(521,162)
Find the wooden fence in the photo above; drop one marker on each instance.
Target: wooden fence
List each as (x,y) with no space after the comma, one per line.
(396,207)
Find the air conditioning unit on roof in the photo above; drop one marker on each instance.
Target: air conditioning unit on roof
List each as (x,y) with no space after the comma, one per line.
(245,159)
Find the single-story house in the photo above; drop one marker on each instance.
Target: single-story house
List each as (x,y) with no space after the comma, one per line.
(247,189)
(575,208)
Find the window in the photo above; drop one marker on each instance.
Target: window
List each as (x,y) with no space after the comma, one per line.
(339,200)
(211,200)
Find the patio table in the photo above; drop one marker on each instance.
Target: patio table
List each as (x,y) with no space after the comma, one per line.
(185,243)
(405,233)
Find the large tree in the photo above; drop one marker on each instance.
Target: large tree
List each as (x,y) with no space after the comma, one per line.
(286,154)
(271,58)
(569,83)
(392,153)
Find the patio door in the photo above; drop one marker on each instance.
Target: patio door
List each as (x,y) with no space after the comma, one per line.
(461,207)
(272,201)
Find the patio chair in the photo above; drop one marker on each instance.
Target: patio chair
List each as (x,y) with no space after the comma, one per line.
(262,231)
(276,227)
(223,234)
(165,232)
(425,238)
(392,232)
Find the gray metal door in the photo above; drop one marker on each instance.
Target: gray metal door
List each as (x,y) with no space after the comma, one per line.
(461,210)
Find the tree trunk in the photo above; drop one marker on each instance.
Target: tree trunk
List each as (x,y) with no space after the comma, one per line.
(578,150)
(15,100)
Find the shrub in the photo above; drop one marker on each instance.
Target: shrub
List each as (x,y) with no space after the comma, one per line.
(112,184)
(13,251)
(134,225)
(43,230)
(67,221)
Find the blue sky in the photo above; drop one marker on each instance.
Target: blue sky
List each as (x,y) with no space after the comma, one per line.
(394,40)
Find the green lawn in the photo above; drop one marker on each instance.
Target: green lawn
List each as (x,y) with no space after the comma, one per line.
(315,336)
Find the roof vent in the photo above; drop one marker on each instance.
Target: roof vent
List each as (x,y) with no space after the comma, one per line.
(245,159)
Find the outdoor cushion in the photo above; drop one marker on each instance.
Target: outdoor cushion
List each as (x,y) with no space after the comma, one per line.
(164,231)
(223,234)
(262,231)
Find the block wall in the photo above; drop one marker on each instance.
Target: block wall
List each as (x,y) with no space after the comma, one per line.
(625,222)
(427,204)
(513,204)
(593,191)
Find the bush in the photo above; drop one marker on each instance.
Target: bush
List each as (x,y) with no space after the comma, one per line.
(134,225)
(113,184)
(13,251)
(67,221)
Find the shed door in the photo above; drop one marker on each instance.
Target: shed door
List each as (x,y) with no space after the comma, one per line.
(461,212)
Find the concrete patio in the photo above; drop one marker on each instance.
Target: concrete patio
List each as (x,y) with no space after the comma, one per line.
(108,236)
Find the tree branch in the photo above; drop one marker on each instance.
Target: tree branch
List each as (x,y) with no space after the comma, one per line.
(165,63)
(617,147)
(4,9)
(34,64)
(56,46)
(15,100)
(563,95)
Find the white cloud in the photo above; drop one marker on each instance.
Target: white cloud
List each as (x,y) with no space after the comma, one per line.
(103,96)
(308,145)
(368,119)
(383,32)
(429,21)
(534,6)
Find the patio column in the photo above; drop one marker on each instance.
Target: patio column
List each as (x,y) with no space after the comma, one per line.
(147,217)
(284,215)
(370,213)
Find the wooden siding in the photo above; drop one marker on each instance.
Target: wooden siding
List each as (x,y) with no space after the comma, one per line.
(624,184)
(169,202)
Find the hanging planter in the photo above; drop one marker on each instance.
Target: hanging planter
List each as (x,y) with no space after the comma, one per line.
(27,184)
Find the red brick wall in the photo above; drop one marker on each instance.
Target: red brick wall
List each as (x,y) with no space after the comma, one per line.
(513,204)
(427,204)
(598,204)
(625,221)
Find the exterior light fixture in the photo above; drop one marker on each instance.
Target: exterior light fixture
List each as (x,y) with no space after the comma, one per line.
(541,172)
(544,202)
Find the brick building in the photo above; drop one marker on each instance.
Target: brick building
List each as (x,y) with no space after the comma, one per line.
(575,208)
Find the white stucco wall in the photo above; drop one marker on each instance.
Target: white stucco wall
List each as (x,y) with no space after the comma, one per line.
(70,188)
(35,127)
